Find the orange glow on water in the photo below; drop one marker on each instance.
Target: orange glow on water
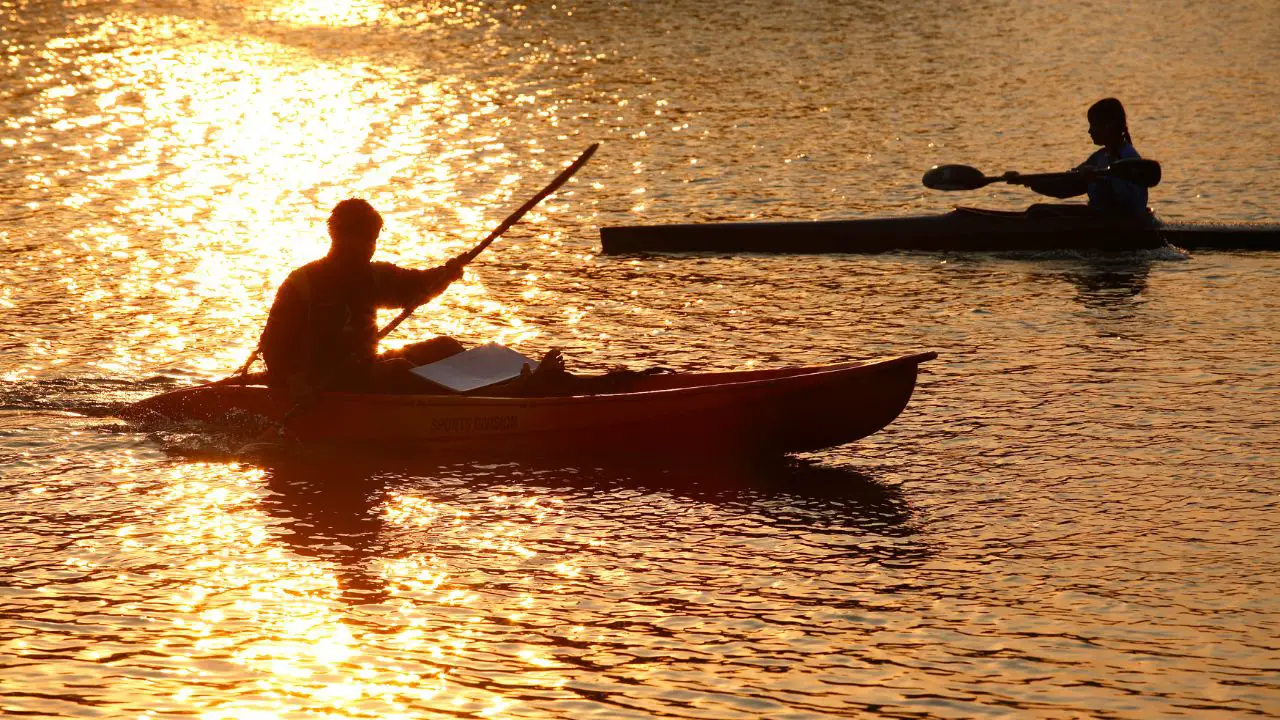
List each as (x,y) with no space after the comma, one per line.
(281,618)
(332,13)
(1071,520)
(236,149)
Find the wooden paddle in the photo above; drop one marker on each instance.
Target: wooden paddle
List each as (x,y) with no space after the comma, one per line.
(963,177)
(281,425)
(512,219)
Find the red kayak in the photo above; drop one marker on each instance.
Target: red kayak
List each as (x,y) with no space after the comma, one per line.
(747,412)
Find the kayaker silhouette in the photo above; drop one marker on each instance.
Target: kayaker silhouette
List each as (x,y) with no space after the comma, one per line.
(1108,127)
(322,331)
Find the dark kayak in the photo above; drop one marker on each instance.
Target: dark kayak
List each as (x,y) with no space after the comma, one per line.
(1038,228)
(751,412)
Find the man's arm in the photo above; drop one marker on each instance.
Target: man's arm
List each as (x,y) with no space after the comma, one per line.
(397,287)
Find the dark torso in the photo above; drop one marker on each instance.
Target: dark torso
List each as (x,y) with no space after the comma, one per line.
(324,319)
(344,311)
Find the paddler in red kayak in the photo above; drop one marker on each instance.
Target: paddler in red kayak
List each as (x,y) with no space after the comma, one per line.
(1109,128)
(322,332)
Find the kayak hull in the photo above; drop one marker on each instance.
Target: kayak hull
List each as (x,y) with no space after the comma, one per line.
(1042,228)
(1207,236)
(765,412)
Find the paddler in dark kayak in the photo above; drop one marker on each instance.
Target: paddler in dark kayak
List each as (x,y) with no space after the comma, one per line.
(1109,128)
(322,332)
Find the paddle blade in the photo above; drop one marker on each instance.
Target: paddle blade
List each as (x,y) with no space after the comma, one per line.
(1136,170)
(954,177)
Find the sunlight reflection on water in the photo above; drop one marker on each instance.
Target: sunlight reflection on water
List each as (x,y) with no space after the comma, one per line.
(1074,517)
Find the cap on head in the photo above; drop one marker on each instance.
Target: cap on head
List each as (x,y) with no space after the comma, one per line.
(1107,110)
(353,218)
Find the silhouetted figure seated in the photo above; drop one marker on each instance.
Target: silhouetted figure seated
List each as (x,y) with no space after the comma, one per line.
(1109,128)
(322,333)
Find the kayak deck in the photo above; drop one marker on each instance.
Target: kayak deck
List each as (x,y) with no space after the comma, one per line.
(744,412)
(1207,236)
(1041,228)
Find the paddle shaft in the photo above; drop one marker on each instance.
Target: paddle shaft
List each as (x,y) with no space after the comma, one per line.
(512,219)
(1035,177)
(963,177)
(1040,177)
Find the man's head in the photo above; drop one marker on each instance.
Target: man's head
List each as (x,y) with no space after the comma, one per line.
(353,231)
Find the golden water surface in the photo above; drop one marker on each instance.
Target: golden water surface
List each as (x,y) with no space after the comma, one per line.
(1074,517)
